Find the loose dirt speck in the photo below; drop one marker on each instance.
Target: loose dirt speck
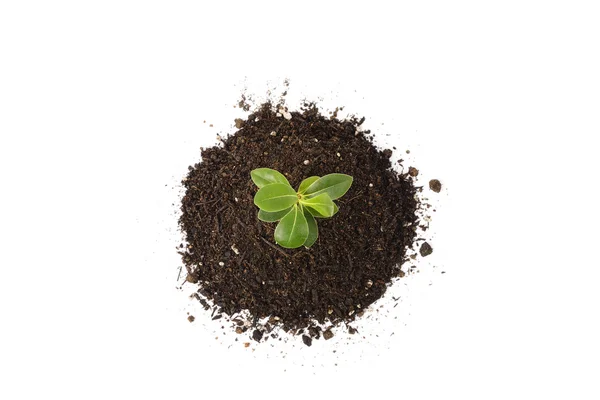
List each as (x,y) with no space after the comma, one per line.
(425,249)
(435,185)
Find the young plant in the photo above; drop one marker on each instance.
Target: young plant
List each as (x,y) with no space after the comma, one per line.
(296,210)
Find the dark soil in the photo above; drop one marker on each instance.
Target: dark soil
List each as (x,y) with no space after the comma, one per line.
(232,255)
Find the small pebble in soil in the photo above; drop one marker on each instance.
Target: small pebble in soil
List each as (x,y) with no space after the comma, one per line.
(435,185)
(273,133)
(425,249)
(221,263)
(306,162)
(307,340)
(257,335)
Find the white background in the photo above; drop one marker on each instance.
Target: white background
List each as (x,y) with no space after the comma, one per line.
(101,111)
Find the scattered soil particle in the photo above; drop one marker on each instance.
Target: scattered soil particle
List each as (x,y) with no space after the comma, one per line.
(425,249)
(191,318)
(351,330)
(412,171)
(435,185)
(244,104)
(327,334)
(365,241)
(315,332)
(246,344)
(307,340)
(257,335)
(239,123)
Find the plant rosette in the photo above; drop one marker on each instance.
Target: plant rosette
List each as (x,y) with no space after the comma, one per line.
(296,210)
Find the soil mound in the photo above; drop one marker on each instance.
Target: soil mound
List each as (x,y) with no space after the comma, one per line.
(232,255)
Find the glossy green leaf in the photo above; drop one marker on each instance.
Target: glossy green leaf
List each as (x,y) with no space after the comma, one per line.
(266,176)
(275,197)
(335,185)
(313,230)
(272,216)
(306,183)
(292,230)
(316,214)
(320,206)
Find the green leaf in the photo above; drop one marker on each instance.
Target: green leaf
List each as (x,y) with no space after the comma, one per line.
(272,216)
(275,197)
(316,214)
(265,176)
(306,183)
(320,206)
(292,230)
(335,209)
(313,230)
(335,185)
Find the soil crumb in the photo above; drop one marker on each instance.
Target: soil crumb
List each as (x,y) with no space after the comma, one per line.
(425,249)
(307,340)
(435,185)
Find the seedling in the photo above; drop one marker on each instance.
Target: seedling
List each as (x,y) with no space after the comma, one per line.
(296,210)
